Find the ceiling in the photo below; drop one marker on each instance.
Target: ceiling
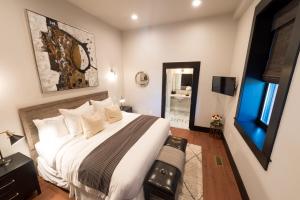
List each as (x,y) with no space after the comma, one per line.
(152,12)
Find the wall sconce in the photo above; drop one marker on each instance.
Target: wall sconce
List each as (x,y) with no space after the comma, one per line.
(112,75)
(13,139)
(122,102)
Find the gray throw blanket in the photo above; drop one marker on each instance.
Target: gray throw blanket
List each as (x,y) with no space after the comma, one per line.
(97,168)
(172,156)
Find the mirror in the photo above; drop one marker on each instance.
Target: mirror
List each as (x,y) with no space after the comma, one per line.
(142,79)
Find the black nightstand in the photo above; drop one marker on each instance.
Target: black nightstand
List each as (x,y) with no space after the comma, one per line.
(18,180)
(126,108)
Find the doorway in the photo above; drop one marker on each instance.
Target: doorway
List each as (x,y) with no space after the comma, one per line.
(179,93)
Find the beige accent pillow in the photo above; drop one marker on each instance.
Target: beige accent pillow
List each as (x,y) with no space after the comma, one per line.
(100,105)
(113,113)
(92,124)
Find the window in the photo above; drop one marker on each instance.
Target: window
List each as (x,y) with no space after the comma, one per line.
(271,59)
(268,103)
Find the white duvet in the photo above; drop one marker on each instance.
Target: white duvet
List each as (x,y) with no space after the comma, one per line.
(128,177)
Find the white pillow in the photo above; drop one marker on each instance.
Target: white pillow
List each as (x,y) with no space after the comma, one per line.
(73,117)
(50,129)
(48,150)
(100,105)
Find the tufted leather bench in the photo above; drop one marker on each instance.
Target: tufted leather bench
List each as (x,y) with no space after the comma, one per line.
(163,177)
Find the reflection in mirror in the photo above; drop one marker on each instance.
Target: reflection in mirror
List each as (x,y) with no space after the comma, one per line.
(178,96)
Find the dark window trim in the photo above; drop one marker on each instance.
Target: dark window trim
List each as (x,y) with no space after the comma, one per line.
(264,156)
(258,120)
(196,73)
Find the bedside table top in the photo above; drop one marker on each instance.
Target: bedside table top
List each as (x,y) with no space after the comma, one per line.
(17,160)
(126,108)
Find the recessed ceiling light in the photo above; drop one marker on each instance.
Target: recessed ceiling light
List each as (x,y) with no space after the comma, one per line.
(196,3)
(134,17)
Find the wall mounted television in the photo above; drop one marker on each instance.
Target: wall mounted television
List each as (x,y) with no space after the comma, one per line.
(224,85)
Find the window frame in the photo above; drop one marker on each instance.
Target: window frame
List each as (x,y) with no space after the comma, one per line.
(257,56)
(259,120)
(270,101)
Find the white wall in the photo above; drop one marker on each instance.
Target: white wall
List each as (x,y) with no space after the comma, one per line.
(208,40)
(19,82)
(282,179)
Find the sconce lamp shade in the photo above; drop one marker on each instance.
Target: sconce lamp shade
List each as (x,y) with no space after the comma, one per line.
(14,138)
(112,75)
(122,100)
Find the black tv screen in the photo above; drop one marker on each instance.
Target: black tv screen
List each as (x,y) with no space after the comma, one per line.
(224,85)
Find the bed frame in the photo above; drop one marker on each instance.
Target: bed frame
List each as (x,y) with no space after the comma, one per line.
(50,110)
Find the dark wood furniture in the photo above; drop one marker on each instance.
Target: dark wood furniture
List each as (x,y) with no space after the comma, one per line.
(18,180)
(126,108)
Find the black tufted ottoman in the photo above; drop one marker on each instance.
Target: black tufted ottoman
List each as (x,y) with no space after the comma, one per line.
(161,181)
(176,142)
(163,177)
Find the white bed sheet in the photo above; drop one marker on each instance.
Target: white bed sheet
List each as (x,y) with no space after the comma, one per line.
(49,174)
(48,150)
(128,177)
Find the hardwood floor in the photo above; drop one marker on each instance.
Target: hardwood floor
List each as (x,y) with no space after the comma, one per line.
(218,181)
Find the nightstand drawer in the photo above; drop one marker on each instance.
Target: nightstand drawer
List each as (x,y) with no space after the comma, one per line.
(18,180)
(15,184)
(11,195)
(7,183)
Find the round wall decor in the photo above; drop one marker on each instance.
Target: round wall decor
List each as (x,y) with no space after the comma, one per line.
(142,79)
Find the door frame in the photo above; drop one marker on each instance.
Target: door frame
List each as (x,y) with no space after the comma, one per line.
(196,73)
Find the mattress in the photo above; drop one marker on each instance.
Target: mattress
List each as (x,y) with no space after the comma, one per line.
(128,176)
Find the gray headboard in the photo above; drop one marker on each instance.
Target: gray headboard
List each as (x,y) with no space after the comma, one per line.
(50,110)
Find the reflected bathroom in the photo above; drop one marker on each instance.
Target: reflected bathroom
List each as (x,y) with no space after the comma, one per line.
(178,96)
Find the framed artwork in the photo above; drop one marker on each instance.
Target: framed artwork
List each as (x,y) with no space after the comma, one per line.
(65,55)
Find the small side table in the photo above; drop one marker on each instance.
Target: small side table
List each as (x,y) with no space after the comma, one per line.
(126,108)
(216,130)
(18,180)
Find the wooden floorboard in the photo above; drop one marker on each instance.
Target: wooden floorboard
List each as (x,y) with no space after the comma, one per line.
(218,181)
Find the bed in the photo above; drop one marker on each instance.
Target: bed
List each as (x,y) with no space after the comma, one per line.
(128,176)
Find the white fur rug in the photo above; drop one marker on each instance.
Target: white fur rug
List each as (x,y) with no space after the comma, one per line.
(191,185)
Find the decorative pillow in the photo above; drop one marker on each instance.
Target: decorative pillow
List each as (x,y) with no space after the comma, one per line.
(113,113)
(100,105)
(50,129)
(92,124)
(73,117)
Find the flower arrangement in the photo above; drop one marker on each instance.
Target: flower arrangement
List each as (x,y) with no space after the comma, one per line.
(216,120)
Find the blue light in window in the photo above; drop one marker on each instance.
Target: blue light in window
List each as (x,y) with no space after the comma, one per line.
(269,103)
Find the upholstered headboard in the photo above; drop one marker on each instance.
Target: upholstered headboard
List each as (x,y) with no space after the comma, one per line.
(50,110)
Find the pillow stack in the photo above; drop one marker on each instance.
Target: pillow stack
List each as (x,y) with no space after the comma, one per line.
(86,120)
(73,118)
(110,112)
